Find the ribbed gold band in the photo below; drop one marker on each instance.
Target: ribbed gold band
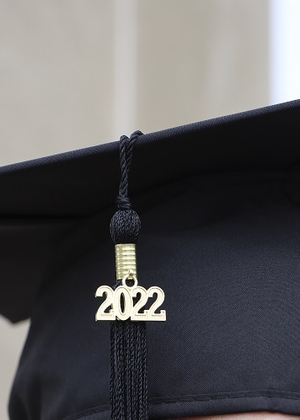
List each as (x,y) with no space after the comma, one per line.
(125,260)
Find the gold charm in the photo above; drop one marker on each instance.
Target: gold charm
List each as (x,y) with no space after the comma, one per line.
(120,303)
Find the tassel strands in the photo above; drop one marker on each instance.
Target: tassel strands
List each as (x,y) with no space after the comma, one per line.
(128,352)
(128,389)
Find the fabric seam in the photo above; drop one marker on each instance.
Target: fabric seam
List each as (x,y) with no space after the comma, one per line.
(193,398)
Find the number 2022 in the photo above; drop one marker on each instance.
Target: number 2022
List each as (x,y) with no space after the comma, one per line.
(119,304)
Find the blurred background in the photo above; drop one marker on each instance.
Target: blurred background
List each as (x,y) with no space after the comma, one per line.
(76,73)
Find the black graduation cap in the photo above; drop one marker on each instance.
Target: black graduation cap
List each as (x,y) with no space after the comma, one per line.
(219,206)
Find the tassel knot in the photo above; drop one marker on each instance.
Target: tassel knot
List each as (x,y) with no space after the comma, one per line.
(125,227)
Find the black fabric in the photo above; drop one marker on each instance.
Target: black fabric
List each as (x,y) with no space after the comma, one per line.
(226,251)
(41,198)
(221,237)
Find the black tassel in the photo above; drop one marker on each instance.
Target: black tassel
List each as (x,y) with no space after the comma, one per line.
(128,352)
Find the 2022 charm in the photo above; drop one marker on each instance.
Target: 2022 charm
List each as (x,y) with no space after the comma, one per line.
(128,302)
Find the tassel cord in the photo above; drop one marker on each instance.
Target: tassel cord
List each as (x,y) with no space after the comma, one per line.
(126,150)
(128,367)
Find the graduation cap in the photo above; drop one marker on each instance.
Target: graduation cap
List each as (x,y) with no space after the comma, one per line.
(219,208)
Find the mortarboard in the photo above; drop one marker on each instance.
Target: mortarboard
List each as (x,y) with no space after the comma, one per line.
(219,206)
